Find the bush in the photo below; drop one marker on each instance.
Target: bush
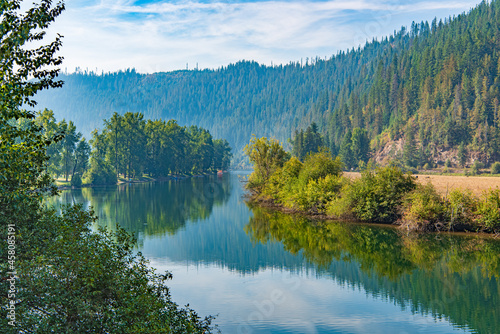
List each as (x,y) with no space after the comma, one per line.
(476,167)
(495,168)
(319,165)
(100,173)
(340,207)
(461,207)
(318,193)
(76,180)
(447,163)
(378,196)
(489,210)
(424,209)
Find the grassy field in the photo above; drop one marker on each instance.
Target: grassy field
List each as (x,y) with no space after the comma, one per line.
(445,183)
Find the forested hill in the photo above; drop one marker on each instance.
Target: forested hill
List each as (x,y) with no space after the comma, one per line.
(434,84)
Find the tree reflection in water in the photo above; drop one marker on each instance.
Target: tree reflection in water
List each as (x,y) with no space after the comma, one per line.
(452,276)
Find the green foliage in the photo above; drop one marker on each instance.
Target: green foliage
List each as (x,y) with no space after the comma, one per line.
(476,167)
(360,146)
(462,206)
(462,155)
(76,180)
(378,195)
(99,173)
(495,168)
(307,142)
(319,165)
(424,209)
(409,148)
(267,155)
(345,151)
(70,279)
(318,193)
(132,146)
(94,282)
(489,210)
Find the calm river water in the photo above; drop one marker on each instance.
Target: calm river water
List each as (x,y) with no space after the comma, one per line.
(264,272)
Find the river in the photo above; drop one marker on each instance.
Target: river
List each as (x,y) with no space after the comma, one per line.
(261,271)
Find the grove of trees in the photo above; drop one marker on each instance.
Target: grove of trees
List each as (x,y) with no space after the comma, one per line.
(130,146)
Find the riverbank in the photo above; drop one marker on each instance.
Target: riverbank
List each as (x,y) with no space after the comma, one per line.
(318,188)
(316,216)
(66,185)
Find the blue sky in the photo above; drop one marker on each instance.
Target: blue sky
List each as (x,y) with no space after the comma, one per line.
(152,36)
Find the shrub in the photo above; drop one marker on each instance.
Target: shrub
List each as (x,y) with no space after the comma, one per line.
(377,196)
(318,193)
(495,168)
(266,155)
(461,207)
(76,180)
(292,168)
(319,165)
(100,173)
(447,163)
(489,210)
(340,207)
(424,209)
(476,167)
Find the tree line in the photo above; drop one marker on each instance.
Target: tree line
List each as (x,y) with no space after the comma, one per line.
(354,149)
(130,146)
(438,80)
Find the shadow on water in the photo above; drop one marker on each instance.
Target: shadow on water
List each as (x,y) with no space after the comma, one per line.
(443,275)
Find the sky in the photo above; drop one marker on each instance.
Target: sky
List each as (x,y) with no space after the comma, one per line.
(155,36)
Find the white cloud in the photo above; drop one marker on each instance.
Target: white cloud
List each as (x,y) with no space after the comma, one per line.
(158,36)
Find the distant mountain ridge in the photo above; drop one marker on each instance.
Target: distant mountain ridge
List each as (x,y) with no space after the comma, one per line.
(434,85)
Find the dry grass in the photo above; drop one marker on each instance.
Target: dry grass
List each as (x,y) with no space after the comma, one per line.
(445,183)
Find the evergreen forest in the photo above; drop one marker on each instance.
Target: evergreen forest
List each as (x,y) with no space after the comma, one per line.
(418,94)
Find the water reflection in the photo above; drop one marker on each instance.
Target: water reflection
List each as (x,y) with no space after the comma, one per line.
(455,277)
(228,258)
(149,209)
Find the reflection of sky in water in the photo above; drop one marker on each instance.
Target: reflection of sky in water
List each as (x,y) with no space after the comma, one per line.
(261,288)
(279,302)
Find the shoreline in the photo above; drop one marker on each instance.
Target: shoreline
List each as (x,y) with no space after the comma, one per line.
(253,199)
(122,181)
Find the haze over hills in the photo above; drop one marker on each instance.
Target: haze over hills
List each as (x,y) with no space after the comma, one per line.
(427,88)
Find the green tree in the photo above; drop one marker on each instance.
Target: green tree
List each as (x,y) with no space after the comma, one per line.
(345,151)
(409,148)
(360,146)
(82,154)
(115,138)
(462,155)
(266,155)
(69,278)
(222,154)
(50,129)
